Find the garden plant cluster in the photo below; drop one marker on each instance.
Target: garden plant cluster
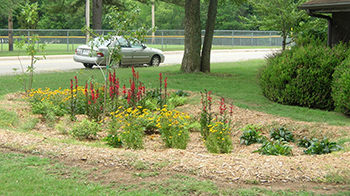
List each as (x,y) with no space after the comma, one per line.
(126,115)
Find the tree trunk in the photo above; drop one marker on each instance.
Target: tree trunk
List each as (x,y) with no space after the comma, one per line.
(97,15)
(208,37)
(191,59)
(10,33)
(284,41)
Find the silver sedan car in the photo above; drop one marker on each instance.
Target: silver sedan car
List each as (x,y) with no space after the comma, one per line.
(132,53)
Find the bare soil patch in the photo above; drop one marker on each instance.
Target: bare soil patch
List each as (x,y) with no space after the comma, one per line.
(240,168)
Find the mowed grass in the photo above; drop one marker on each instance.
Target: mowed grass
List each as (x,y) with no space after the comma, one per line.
(236,81)
(31,175)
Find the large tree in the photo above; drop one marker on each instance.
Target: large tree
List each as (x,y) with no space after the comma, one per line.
(7,8)
(191,58)
(208,37)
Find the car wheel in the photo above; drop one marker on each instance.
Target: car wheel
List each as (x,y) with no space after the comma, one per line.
(155,61)
(89,66)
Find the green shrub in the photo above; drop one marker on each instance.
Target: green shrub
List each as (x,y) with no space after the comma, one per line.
(282,134)
(113,140)
(275,148)
(251,135)
(86,129)
(304,142)
(341,87)
(219,138)
(302,76)
(322,147)
(173,127)
(47,109)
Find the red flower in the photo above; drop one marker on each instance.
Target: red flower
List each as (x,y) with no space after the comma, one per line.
(71,84)
(133,72)
(110,77)
(222,106)
(165,82)
(124,90)
(86,87)
(76,81)
(231,109)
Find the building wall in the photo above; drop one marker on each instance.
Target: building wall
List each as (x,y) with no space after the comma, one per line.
(340,27)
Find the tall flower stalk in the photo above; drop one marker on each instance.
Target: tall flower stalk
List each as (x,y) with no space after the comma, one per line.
(206,114)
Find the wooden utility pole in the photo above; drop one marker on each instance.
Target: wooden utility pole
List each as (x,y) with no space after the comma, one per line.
(10,33)
(153,22)
(87,19)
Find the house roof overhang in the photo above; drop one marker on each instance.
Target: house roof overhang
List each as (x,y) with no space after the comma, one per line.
(326,6)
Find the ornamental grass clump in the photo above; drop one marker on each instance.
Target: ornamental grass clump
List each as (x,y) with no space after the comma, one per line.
(173,127)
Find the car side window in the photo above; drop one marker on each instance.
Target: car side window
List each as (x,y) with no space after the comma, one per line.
(123,43)
(136,45)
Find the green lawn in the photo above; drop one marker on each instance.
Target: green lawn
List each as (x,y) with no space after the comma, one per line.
(235,81)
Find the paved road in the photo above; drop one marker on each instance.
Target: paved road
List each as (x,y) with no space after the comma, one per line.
(65,62)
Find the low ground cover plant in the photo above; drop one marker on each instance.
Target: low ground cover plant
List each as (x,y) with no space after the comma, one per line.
(321,146)
(251,135)
(275,148)
(282,134)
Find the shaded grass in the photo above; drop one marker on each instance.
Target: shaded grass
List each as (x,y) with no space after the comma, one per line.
(236,81)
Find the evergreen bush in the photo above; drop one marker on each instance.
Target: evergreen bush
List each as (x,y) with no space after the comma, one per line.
(341,87)
(303,75)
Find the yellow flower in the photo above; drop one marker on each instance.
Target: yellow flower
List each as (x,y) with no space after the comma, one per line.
(169,137)
(223,138)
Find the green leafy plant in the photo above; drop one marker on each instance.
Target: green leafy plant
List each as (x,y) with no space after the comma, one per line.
(175,101)
(113,140)
(282,134)
(206,114)
(304,142)
(322,147)
(181,93)
(30,16)
(275,148)
(219,139)
(251,135)
(173,127)
(127,125)
(85,129)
